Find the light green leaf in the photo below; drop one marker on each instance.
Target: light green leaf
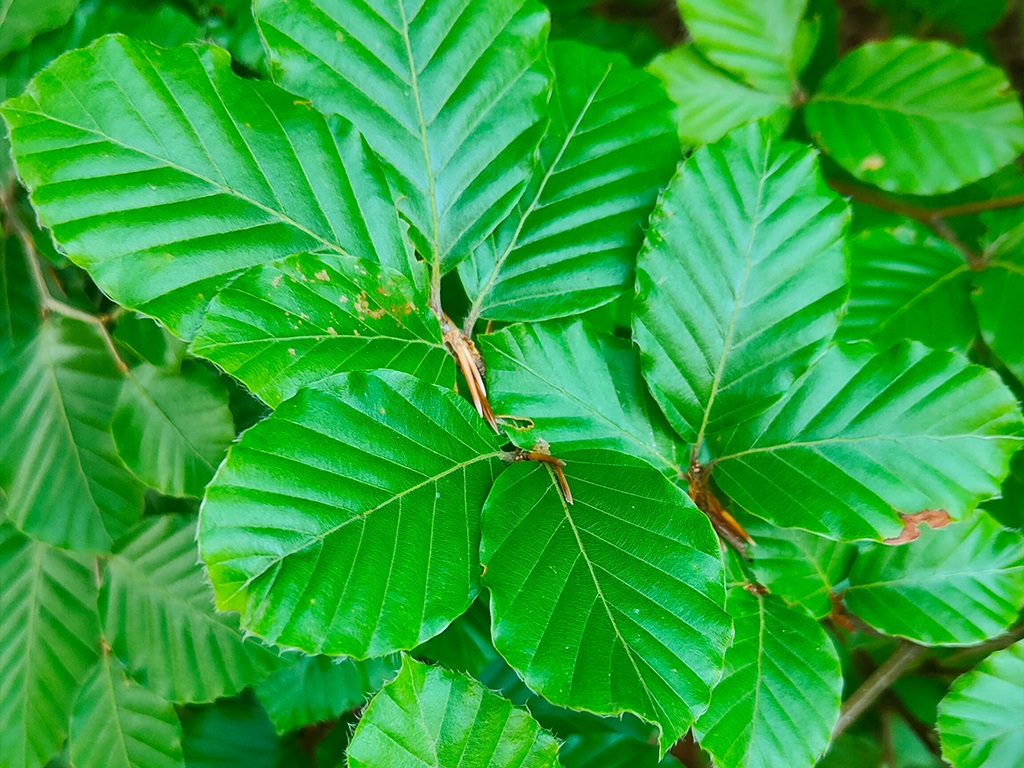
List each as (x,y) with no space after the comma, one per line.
(64,481)
(280,326)
(570,245)
(451,94)
(627,580)
(908,284)
(928,117)
(430,717)
(172,429)
(348,521)
(710,101)
(158,617)
(116,723)
(22,20)
(779,697)
(165,174)
(800,567)
(1000,287)
(50,641)
(580,388)
(754,40)
(317,688)
(958,585)
(740,281)
(866,435)
(979,720)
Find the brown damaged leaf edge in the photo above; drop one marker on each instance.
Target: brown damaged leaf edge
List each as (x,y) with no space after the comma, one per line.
(727,527)
(541,453)
(933,518)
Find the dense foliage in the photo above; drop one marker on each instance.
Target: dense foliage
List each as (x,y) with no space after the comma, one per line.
(448,383)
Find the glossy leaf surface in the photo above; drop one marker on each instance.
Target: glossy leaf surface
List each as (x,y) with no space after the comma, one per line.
(740,281)
(571,242)
(431,718)
(348,521)
(867,434)
(451,94)
(626,580)
(580,388)
(164,174)
(296,321)
(779,696)
(929,117)
(958,585)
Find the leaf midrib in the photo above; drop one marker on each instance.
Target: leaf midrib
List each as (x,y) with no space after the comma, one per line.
(280,215)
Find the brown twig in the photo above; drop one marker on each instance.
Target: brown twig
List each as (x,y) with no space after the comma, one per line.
(906,656)
(47,302)
(727,527)
(471,364)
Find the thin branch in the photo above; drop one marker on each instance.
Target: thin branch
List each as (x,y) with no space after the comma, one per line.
(966,656)
(878,683)
(47,302)
(924,215)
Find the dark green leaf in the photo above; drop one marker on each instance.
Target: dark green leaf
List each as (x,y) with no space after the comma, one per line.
(908,284)
(627,580)
(979,720)
(116,723)
(348,521)
(571,243)
(64,481)
(429,717)
(1000,287)
(280,326)
(172,429)
(450,93)
(235,732)
(21,20)
(740,282)
(779,697)
(50,640)
(19,310)
(579,388)
(164,174)
(958,585)
(317,688)
(867,434)
(158,617)
(919,117)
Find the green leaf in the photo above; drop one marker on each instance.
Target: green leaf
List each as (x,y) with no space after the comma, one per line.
(317,688)
(280,326)
(172,429)
(149,341)
(451,94)
(22,20)
(19,310)
(929,118)
(710,101)
(158,617)
(970,17)
(908,284)
(800,567)
(757,41)
(50,640)
(235,732)
(866,435)
(740,282)
(164,174)
(626,580)
(580,388)
(348,521)
(779,697)
(116,723)
(958,585)
(999,288)
(64,481)
(428,716)
(1008,507)
(570,245)
(979,720)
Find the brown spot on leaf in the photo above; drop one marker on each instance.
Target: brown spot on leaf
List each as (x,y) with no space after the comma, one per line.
(322,275)
(933,518)
(362,306)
